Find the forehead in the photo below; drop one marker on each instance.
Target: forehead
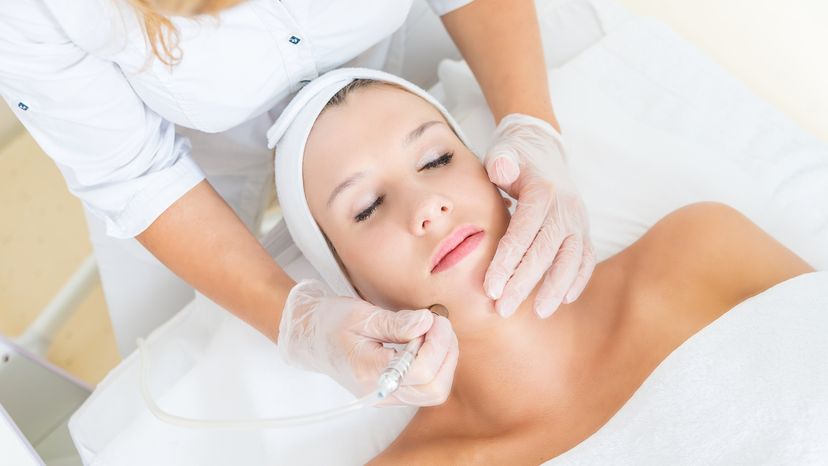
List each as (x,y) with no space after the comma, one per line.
(374,118)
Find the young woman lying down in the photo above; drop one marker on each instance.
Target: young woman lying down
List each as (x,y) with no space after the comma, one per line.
(525,389)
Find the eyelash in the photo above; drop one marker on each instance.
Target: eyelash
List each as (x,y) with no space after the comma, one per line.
(362,216)
(444,159)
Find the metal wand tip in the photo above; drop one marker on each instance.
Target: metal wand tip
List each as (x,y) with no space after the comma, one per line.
(439,309)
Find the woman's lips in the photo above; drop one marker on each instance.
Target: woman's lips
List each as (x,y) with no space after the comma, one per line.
(459,244)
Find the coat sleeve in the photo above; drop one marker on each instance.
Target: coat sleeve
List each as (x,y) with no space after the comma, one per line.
(441,7)
(123,161)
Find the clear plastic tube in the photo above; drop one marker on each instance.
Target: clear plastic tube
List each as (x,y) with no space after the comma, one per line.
(244,424)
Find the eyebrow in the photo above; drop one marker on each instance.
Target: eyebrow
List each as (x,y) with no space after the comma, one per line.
(408,140)
(418,131)
(350,181)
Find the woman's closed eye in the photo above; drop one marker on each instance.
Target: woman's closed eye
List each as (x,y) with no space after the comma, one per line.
(444,159)
(362,216)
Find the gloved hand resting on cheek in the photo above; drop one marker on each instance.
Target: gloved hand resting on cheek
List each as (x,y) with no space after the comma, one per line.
(548,235)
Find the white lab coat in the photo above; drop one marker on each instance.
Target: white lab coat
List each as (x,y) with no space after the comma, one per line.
(132,135)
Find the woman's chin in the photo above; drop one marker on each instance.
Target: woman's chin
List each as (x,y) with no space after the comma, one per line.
(462,287)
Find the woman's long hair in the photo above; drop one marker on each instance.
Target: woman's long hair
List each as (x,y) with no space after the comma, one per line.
(161,32)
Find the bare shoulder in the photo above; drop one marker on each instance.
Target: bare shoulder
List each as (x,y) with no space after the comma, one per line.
(713,249)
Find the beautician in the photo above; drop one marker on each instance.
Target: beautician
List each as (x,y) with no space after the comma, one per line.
(155,112)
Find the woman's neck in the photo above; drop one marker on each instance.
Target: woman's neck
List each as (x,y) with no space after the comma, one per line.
(524,366)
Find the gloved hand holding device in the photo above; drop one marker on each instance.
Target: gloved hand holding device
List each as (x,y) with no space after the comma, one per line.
(343,337)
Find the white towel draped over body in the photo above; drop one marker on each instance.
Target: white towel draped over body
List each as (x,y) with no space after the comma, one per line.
(749,389)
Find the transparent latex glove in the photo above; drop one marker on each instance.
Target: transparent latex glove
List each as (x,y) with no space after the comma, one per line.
(343,338)
(548,235)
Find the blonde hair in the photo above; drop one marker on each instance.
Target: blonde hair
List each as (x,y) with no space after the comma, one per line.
(161,33)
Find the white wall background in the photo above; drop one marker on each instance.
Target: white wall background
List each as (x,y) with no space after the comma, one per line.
(779,48)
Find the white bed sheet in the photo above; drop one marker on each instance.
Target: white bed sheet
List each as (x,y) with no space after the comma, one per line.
(651,124)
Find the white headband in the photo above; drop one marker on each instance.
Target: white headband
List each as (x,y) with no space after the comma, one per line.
(290,134)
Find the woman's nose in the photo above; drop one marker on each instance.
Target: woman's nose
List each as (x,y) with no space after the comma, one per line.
(431,211)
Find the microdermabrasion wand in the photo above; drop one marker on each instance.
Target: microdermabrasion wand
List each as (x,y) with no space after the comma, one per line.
(439,309)
(389,381)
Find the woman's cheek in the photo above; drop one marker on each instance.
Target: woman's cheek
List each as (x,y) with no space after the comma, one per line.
(369,261)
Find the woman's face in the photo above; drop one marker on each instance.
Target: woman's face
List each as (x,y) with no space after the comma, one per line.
(387,180)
